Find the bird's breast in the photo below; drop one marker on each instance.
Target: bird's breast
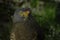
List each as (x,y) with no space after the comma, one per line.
(24,32)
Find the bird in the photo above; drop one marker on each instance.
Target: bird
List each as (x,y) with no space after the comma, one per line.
(25,27)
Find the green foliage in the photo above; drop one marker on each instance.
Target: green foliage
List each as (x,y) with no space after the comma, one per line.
(34,3)
(46,19)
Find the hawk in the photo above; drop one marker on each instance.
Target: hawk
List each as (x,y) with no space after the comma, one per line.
(25,26)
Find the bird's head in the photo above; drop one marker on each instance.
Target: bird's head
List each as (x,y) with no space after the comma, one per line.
(21,15)
(24,13)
